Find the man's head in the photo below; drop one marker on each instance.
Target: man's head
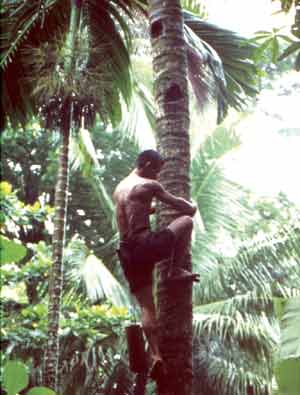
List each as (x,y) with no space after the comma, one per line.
(149,163)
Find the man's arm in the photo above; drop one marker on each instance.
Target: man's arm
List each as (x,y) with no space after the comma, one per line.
(178,203)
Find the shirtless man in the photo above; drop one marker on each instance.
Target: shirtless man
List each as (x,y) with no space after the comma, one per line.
(141,248)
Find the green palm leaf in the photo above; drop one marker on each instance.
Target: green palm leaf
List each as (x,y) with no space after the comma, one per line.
(83,155)
(250,302)
(266,268)
(256,268)
(212,191)
(87,274)
(23,24)
(30,33)
(236,54)
(100,19)
(250,332)
(205,70)
(22,20)
(225,369)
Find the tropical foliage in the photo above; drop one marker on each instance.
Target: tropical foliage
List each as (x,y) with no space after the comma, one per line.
(15,379)
(269,41)
(256,258)
(235,330)
(245,249)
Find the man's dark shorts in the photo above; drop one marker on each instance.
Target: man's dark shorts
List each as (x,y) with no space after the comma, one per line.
(142,252)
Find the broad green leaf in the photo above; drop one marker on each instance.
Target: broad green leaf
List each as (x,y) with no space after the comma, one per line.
(5,188)
(290,330)
(40,391)
(288,367)
(288,377)
(15,377)
(261,49)
(11,251)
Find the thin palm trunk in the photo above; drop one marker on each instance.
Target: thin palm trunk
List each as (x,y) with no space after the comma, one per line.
(55,282)
(61,199)
(171,94)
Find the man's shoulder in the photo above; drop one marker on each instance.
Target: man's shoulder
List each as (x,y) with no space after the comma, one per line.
(145,187)
(150,184)
(118,189)
(135,183)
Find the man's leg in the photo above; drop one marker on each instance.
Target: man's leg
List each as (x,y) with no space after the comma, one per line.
(182,228)
(149,322)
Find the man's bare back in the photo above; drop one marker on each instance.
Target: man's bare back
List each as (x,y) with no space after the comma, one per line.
(133,198)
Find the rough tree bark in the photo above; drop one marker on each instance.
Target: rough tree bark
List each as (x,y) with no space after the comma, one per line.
(51,360)
(55,281)
(171,95)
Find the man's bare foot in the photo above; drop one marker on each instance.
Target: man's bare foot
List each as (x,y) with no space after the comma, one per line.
(158,370)
(182,275)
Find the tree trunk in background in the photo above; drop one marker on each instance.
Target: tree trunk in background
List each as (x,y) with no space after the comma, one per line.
(51,378)
(56,276)
(171,95)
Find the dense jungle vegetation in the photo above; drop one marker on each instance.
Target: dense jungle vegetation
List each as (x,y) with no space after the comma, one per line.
(79,102)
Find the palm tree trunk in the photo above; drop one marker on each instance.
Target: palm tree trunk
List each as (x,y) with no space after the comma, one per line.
(55,281)
(171,94)
(61,199)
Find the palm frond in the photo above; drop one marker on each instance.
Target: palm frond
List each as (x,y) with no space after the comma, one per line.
(205,71)
(19,19)
(236,54)
(267,266)
(254,270)
(147,103)
(25,24)
(102,60)
(253,333)
(140,119)
(212,192)
(100,19)
(83,155)
(87,274)
(224,370)
(250,302)
(108,28)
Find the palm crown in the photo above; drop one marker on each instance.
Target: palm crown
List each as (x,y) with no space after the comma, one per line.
(35,53)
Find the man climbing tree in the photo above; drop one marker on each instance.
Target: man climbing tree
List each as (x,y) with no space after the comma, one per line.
(169,57)
(141,248)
